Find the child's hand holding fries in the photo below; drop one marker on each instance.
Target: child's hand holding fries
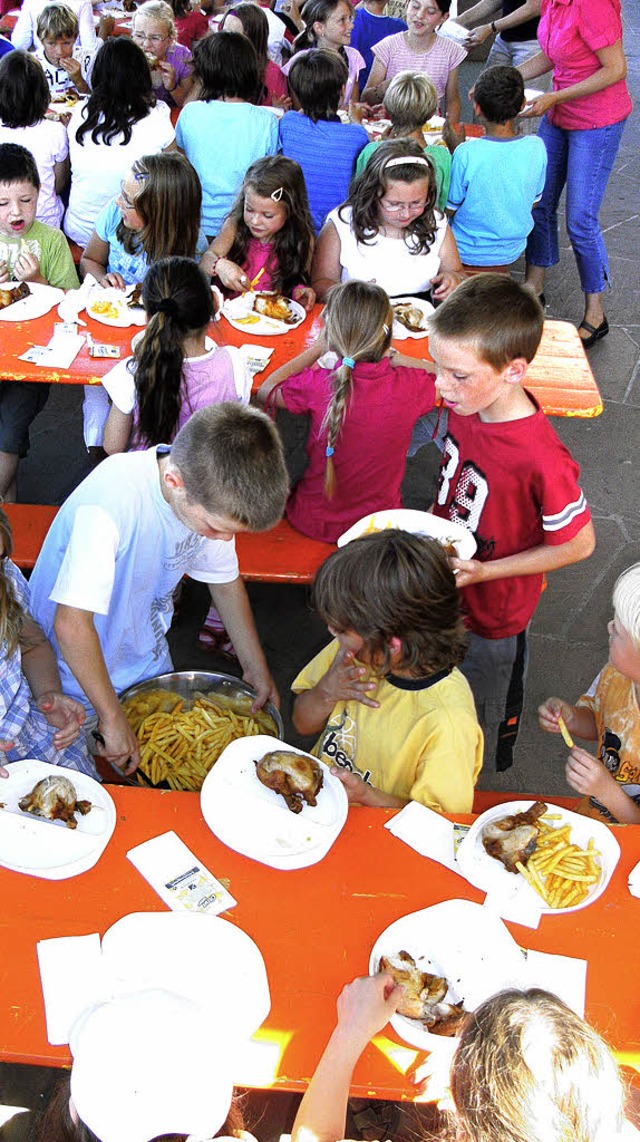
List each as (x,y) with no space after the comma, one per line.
(587,775)
(552,713)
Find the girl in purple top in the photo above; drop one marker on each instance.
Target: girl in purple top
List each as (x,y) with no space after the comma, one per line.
(329,24)
(362,413)
(154,30)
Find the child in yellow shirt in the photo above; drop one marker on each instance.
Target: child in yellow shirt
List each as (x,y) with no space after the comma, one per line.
(396,716)
(608,713)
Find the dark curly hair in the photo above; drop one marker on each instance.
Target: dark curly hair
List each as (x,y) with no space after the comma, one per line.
(121,93)
(293,244)
(395,585)
(373,184)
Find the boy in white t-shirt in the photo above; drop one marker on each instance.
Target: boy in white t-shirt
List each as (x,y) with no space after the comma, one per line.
(25,33)
(65,63)
(103,585)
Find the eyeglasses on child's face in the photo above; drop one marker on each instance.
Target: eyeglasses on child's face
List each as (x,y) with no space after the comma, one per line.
(143,38)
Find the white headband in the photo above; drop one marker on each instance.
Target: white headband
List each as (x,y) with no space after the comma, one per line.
(405,161)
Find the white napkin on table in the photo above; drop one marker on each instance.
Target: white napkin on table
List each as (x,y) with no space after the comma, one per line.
(76,299)
(71,975)
(427,832)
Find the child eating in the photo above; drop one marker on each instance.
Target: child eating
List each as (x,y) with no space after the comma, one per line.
(154,30)
(396,716)
(65,65)
(609,713)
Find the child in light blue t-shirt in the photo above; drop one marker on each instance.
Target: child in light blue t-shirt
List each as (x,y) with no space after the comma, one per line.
(496,180)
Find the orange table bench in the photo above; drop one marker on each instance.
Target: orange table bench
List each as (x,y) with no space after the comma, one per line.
(315,928)
(281,555)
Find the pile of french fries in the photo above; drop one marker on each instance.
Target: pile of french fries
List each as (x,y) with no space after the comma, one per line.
(561,872)
(179,745)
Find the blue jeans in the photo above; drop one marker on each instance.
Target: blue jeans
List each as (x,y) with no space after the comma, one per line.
(583,160)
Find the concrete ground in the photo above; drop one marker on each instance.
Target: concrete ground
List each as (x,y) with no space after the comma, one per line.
(569,640)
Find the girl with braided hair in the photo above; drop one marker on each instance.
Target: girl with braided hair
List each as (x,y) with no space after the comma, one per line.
(362,411)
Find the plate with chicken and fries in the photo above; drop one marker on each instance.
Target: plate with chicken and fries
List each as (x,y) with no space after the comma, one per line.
(562,860)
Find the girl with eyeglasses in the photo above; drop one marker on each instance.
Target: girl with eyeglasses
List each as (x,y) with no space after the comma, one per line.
(154,30)
(389,231)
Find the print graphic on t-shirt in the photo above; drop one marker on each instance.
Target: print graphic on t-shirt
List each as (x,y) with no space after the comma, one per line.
(183,551)
(339,744)
(626,773)
(160,607)
(610,751)
(471,488)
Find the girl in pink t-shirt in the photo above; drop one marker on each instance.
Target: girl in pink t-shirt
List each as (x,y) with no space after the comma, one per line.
(249,20)
(362,413)
(268,237)
(329,24)
(420,49)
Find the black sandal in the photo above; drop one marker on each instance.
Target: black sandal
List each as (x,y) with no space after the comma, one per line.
(597,333)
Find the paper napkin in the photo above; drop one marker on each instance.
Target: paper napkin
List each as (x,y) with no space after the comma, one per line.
(71,976)
(427,832)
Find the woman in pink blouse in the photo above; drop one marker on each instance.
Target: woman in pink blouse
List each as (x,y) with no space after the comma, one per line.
(584,117)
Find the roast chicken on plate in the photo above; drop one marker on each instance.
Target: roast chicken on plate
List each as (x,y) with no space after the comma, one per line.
(296,776)
(513,839)
(424,995)
(55,799)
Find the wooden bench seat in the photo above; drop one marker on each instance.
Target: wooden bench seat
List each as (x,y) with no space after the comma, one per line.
(281,555)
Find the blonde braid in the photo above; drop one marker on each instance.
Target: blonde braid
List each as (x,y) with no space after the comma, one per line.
(333,421)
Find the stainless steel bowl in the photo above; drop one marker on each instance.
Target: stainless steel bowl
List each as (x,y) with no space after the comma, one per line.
(186,683)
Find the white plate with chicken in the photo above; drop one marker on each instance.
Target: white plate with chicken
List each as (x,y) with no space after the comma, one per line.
(117,307)
(273,803)
(449,958)
(507,835)
(24,301)
(263,314)
(54,822)
(448,532)
(410,317)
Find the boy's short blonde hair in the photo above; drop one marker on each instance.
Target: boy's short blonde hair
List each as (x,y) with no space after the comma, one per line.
(502,319)
(157,10)
(56,22)
(626,602)
(410,99)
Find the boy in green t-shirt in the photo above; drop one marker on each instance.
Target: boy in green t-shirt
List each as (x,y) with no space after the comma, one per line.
(30,251)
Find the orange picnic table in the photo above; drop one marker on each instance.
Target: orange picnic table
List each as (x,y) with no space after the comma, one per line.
(559,376)
(315,928)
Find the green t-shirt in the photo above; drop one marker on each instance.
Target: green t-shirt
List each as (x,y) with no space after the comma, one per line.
(438,155)
(51,249)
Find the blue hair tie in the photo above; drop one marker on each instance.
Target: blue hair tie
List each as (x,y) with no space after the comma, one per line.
(349,361)
(329,451)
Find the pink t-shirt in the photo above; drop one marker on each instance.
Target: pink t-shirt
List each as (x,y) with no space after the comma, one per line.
(441,59)
(570,33)
(355,62)
(371,450)
(275,83)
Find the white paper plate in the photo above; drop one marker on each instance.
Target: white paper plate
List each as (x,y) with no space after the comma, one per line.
(400,331)
(461,941)
(201,957)
(126,315)
(418,523)
(41,299)
(487,873)
(264,326)
(48,848)
(256,821)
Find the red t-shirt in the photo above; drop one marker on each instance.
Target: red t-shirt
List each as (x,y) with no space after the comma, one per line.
(515,486)
(370,452)
(194,26)
(275,83)
(570,33)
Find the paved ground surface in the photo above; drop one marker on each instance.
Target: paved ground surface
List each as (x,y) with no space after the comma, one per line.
(569,641)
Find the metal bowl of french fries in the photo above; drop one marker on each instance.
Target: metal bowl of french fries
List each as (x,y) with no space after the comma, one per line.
(184,720)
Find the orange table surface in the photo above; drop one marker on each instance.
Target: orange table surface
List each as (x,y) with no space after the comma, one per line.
(559,376)
(315,928)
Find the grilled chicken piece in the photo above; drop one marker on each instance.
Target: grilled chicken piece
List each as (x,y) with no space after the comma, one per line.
(296,777)
(134,300)
(8,296)
(274,306)
(410,316)
(55,799)
(423,994)
(514,838)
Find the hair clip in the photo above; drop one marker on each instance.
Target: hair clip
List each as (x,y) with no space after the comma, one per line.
(329,451)
(385,329)
(349,361)
(141,176)
(277,194)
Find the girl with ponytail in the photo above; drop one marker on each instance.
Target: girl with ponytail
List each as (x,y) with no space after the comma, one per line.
(363,409)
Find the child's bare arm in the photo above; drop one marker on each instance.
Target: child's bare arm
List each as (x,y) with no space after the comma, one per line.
(40,669)
(211,261)
(117,431)
(452,97)
(546,557)
(359,792)
(579,720)
(304,360)
(343,681)
(401,359)
(588,776)
(95,261)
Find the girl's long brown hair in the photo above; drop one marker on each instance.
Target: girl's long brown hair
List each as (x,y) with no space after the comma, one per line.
(256,28)
(358,320)
(10,610)
(169,203)
(373,183)
(281,179)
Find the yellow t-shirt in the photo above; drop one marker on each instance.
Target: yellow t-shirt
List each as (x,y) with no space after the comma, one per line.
(423,742)
(612,700)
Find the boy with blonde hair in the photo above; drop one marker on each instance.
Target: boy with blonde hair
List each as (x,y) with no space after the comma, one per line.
(504,475)
(65,64)
(609,714)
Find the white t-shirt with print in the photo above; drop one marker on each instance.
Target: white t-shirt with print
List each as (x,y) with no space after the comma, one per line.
(48,144)
(117,550)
